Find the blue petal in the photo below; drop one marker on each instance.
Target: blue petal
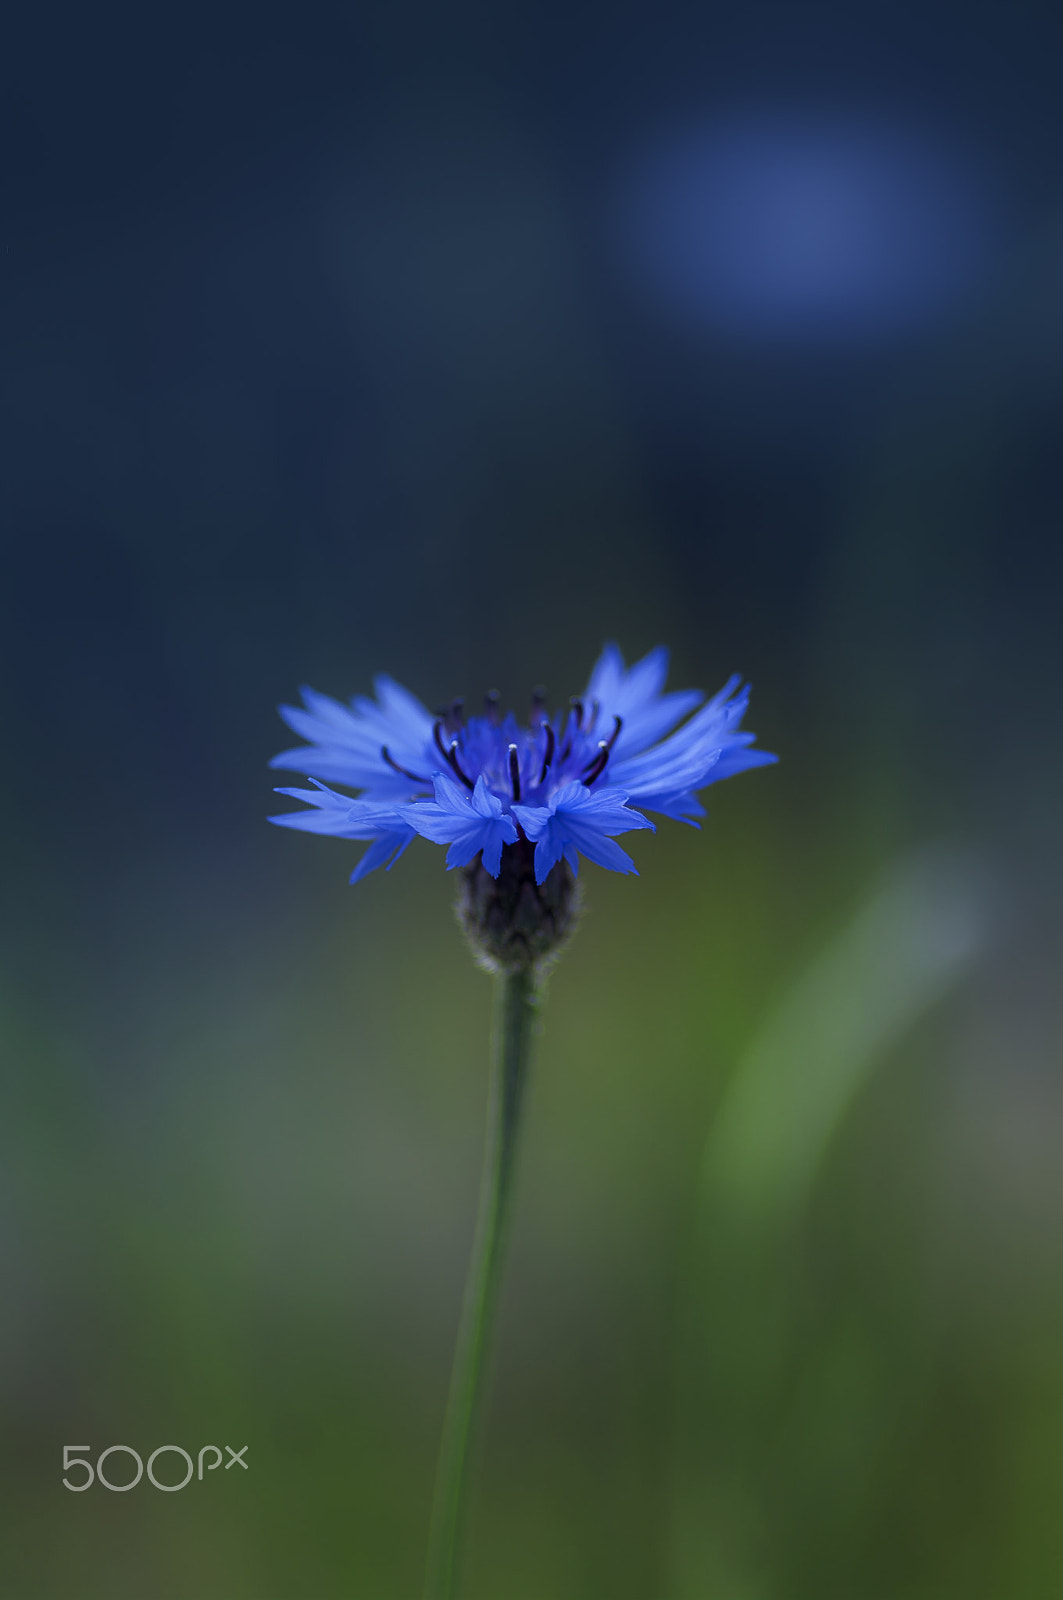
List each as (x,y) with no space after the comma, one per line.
(606,810)
(635,696)
(465,848)
(337,814)
(533,819)
(578,818)
(434,822)
(738,760)
(492,851)
(600,849)
(705,750)
(344,744)
(548,852)
(468,823)
(343,766)
(392,844)
(679,807)
(483,801)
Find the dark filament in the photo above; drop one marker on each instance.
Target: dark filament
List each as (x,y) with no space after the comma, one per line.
(491,703)
(396,768)
(451,756)
(538,706)
(453,716)
(549,756)
(575,717)
(514,771)
(597,766)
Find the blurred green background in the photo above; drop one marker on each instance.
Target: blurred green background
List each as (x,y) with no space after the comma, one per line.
(452,344)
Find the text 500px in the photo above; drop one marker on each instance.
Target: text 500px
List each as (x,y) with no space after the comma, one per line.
(75,1456)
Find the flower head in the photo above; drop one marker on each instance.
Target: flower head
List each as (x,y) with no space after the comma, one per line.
(566,784)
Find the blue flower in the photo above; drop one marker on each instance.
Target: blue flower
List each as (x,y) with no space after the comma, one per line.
(575,819)
(345,818)
(567,783)
(470,823)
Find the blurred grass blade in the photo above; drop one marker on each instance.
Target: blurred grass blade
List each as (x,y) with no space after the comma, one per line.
(911,943)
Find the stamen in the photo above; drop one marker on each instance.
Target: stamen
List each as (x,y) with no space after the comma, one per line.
(572,727)
(597,766)
(549,756)
(514,771)
(492,700)
(451,756)
(402,770)
(538,706)
(453,716)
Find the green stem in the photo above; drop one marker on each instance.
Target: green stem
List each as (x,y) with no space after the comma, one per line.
(516,998)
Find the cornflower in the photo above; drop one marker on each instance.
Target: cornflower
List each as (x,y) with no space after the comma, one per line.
(518,808)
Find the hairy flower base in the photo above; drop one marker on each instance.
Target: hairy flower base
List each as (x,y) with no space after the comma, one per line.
(511,921)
